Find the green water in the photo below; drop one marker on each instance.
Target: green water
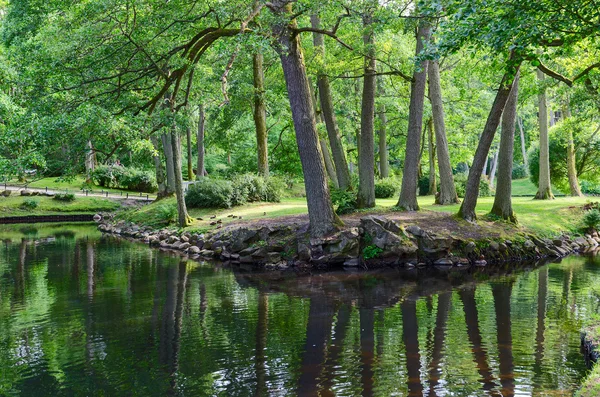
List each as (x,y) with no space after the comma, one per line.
(82,315)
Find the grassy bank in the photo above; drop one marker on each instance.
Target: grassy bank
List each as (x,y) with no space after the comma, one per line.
(14,206)
(544,218)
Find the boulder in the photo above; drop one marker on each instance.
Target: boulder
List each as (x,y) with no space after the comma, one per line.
(443,262)
(25,193)
(6,193)
(207,253)
(193,250)
(389,237)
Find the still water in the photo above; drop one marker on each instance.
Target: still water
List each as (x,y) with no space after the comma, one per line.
(84,315)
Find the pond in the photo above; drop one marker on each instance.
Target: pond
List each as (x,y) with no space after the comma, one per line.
(86,315)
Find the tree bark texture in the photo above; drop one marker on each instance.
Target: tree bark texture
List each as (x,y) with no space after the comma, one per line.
(327,111)
(159,169)
(168,151)
(320,210)
(544,186)
(574,188)
(523,148)
(447,190)
(90,161)
(431,150)
(494,169)
(190,166)
(408,192)
(200,169)
(328,162)
(384,165)
(467,209)
(366,159)
(183,219)
(260,115)
(502,201)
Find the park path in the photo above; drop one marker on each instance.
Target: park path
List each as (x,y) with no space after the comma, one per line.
(95,193)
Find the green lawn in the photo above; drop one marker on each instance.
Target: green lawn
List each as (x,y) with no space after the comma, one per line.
(524,187)
(12,206)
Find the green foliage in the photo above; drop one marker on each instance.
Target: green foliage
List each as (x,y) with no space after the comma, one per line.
(124,178)
(344,201)
(29,204)
(66,197)
(385,188)
(166,214)
(460,182)
(371,252)
(209,193)
(423,185)
(588,187)
(519,171)
(591,219)
(253,188)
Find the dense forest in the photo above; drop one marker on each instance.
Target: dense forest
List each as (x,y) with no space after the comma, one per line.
(353,99)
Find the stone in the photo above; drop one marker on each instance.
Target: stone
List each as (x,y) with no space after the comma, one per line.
(273,257)
(184,246)
(415,230)
(354,262)
(557,242)
(193,250)
(481,262)
(443,262)
(470,247)
(494,246)
(304,252)
(6,193)
(172,239)
(207,253)
(184,238)
(25,193)
(528,244)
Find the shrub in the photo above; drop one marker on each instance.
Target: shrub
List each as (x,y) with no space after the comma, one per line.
(519,171)
(209,193)
(460,182)
(166,213)
(103,176)
(29,204)
(588,187)
(371,251)
(66,197)
(275,189)
(343,200)
(252,188)
(137,180)
(591,219)
(385,188)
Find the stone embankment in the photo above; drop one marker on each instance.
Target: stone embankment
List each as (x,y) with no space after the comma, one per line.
(376,241)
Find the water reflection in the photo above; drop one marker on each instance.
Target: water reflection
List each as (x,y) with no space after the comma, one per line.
(81,315)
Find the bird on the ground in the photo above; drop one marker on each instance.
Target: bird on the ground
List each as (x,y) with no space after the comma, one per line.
(213,216)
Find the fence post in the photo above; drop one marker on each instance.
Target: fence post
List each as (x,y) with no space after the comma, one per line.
(147,198)
(106,194)
(46,189)
(127,195)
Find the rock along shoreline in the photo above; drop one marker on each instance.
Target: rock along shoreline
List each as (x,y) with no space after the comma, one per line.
(376,242)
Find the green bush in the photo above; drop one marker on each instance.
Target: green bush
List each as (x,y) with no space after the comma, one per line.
(519,171)
(66,197)
(385,188)
(344,201)
(588,187)
(253,188)
(275,188)
(29,204)
(460,182)
(591,219)
(166,213)
(137,180)
(209,193)
(103,176)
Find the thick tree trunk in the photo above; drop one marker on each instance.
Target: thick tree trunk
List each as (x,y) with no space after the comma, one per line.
(431,150)
(574,189)
(447,193)
(200,169)
(523,148)
(502,201)
(366,159)
(320,210)
(160,171)
(502,293)
(494,169)
(168,151)
(90,161)
(333,133)
(183,219)
(408,192)
(260,115)
(467,209)
(328,162)
(384,165)
(544,186)
(190,167)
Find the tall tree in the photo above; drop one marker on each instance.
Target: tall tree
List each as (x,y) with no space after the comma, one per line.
(523,147)
(544,187)
(327,111)
(260,114)
(431,152)
(190,167)
(320,210)
(159,169)
(183,219)
(408,192)
(384,165)
(366,154)
(447,190)
(502,201)
(168,150)
(200,168)
(574,189)
(467,209)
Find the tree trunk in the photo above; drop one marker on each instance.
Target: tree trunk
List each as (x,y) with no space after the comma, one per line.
(366,159)
(485,165)
(168,150)
(447,193)
(190,167)
(408,192)
(183,219)
(328,162)
(333,133)
(200,170)
(523,148)
(320,210)
(160,171)
(467,209)
(90,161)
(260,115)
(494,168)
(431,147)
(502,201)
(544,186)
(574,189)
(384,165)
(501,294)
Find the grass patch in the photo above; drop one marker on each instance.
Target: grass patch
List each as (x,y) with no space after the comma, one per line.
(13,206)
